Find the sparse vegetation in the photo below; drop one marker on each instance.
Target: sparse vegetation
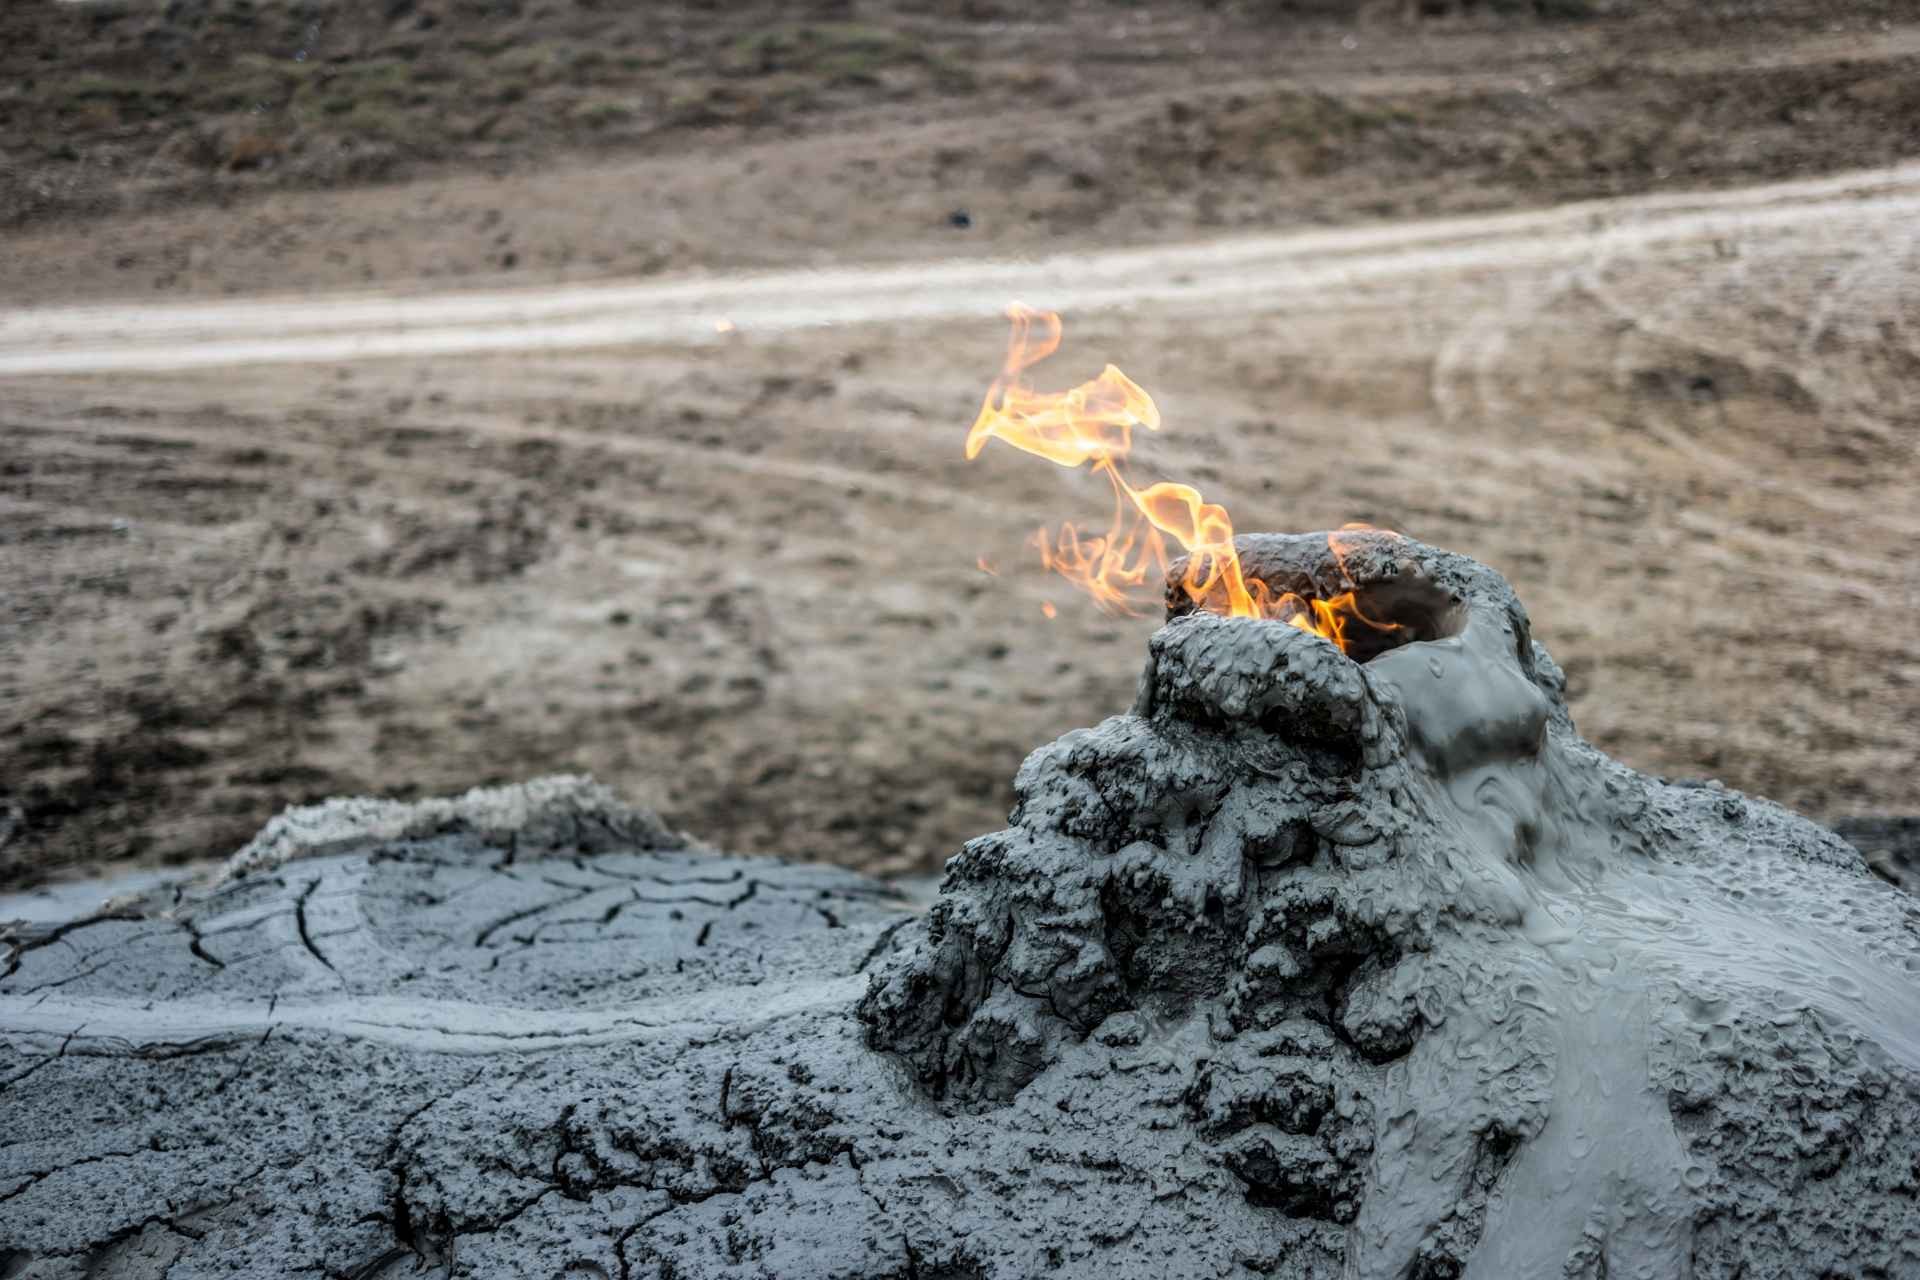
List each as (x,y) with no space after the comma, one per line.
(112,85)
(114,105)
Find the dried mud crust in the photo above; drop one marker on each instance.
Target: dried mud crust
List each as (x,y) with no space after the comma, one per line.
(1302,969)
(439,1051)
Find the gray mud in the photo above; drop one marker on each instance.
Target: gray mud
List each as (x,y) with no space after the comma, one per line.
(1306,967)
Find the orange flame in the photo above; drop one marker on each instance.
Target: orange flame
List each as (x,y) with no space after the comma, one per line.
(1093,424)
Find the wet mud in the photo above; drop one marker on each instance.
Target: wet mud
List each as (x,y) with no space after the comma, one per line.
(1303,967)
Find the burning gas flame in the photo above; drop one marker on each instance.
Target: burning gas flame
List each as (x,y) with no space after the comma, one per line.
(1093,425)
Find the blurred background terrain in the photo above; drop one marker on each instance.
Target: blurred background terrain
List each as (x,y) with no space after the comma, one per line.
(734,573)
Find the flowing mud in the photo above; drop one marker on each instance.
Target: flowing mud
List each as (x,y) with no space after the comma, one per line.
(1307,967)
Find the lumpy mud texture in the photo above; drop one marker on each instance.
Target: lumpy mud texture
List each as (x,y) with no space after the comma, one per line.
(1304,968)
(1457,994)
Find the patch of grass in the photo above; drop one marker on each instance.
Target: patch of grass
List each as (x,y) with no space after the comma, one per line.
(80,88)
(98,101)
(541,60)
(602,113)
(381,122)
(379,86)
(852,52)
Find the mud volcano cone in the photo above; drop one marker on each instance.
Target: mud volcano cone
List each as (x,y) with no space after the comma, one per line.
(1458,993)
(1315,964)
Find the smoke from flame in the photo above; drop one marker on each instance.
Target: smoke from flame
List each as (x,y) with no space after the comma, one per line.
(1093,425)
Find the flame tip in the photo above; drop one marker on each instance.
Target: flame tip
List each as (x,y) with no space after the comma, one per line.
(1092,425)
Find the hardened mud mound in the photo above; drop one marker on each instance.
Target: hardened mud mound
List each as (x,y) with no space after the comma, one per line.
(1308,967)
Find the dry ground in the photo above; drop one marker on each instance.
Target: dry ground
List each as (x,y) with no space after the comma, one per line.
(736,578)
(219,146)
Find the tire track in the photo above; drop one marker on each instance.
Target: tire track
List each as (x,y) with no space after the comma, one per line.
(1253,273)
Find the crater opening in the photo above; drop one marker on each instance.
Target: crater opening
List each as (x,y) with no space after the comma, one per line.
(1396,612)
(1363,621)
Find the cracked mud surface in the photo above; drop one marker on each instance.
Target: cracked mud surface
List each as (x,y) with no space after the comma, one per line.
(429,1053)
(1305,969)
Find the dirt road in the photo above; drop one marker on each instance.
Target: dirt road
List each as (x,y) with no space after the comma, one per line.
(1256,271)
(277,549)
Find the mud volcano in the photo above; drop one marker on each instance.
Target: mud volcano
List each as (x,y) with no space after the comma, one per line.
(1312,965)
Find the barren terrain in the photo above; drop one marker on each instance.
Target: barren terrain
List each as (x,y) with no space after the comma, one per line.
(365,531)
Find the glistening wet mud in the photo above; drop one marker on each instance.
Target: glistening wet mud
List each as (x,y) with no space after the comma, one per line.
(1305,967)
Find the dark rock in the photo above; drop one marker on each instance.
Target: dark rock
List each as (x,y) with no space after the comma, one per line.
(1891,846)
